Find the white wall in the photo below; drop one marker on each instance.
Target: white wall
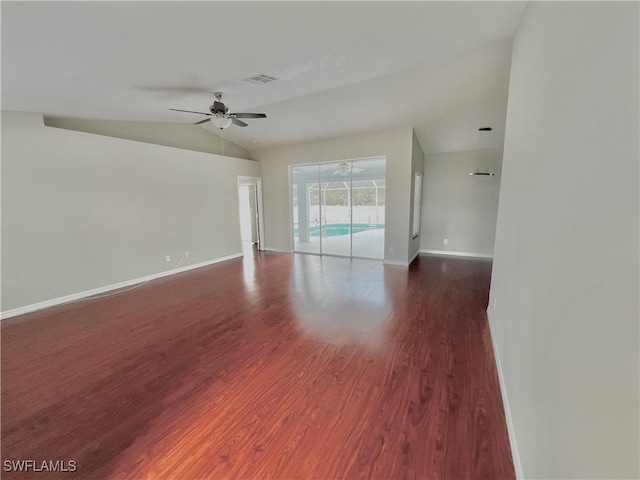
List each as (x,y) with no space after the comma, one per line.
(565,278)
(396,145)
(417,166)
(179,135)
(461,208)
(83,211)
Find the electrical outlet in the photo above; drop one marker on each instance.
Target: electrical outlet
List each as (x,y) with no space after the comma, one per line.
(186,254)
(494,302)
(446,241)
(168,258)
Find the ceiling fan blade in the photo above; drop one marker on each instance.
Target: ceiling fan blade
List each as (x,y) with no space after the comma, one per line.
(189,111)
(248,115)
(203,121)
(239,123)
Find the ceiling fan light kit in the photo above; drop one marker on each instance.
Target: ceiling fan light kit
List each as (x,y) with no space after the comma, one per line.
(220,122)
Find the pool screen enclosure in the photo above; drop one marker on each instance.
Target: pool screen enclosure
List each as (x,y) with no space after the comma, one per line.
(338,208)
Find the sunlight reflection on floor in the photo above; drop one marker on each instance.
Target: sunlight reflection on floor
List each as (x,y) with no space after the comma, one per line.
(343,301)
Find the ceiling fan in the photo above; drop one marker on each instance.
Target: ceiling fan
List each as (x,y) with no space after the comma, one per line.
(346,168)
(220,115)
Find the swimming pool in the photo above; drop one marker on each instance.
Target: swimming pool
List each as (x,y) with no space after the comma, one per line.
(340,229)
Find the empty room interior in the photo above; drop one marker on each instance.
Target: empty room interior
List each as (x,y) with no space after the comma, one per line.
(320,240)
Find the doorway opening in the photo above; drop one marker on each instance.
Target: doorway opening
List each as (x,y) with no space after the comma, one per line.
(250,211)
(338,208)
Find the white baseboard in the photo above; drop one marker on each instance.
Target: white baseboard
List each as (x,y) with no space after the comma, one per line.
(275,250)
(398,263)
(505,400)
(96,291)
(401,263)
(457,254)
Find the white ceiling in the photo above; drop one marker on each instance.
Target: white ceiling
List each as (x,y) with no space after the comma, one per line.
(343,67)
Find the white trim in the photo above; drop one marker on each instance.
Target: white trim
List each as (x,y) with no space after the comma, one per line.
(365,258)
(259,206)
(398,263)
(95,291)
(505,400)
(457,254)
(324,162)
(401,263)
(275,250)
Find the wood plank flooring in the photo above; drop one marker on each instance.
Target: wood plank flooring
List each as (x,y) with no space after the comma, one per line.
(280,367)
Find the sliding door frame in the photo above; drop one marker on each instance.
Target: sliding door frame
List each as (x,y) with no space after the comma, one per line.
(291,217)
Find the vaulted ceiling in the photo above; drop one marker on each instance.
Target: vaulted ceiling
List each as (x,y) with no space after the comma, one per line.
(342,67)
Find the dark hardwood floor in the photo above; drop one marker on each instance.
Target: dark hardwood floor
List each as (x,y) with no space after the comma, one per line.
(276,367)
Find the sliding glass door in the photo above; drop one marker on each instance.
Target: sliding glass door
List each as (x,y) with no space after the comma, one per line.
(368,188)
(306,208)
(338,208)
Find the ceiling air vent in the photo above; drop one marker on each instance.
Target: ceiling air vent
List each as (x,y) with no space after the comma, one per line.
(260,79)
